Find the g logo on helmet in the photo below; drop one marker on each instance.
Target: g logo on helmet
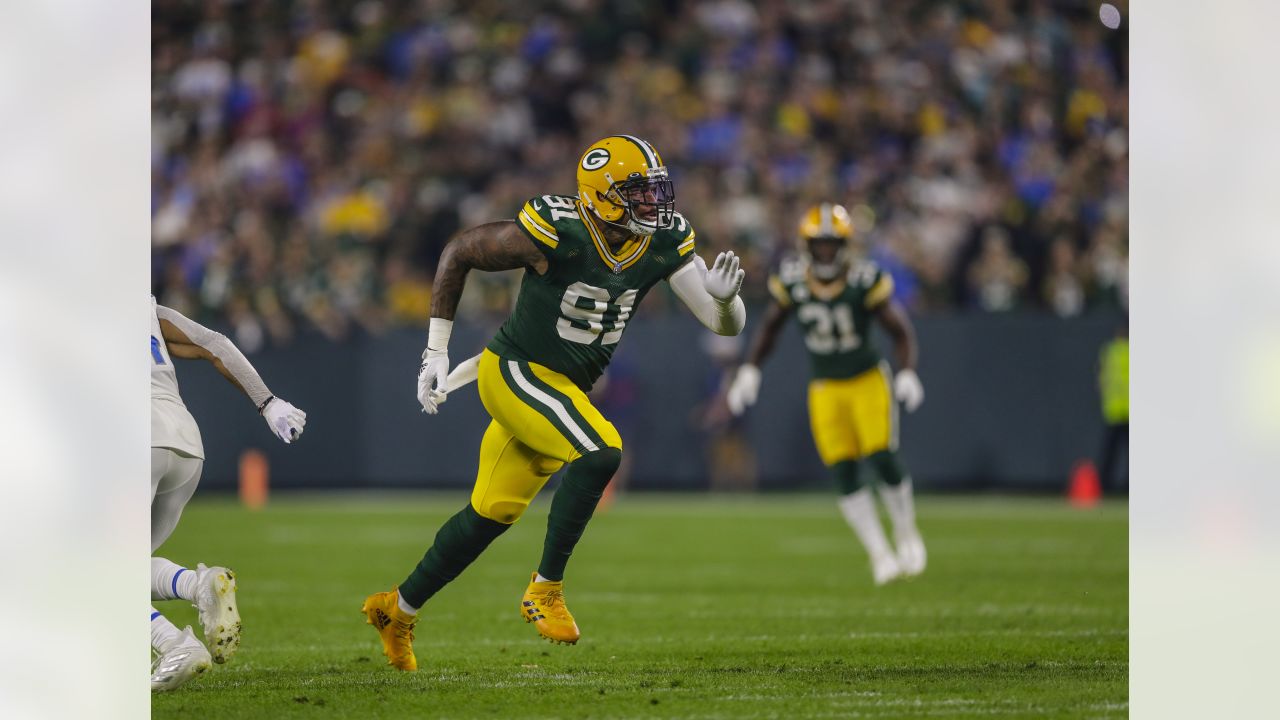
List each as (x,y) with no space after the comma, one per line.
(595,159)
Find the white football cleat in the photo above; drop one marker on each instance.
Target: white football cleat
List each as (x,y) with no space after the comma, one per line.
(219,616)
(911,554)
(885,569)
(184,660)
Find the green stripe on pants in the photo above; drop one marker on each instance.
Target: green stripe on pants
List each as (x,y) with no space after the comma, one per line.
(577,417)
(538,405)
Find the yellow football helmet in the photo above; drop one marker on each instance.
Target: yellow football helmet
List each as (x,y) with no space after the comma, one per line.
(821,228)
(622,179)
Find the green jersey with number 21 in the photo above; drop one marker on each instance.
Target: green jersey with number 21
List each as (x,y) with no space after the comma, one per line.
(571,317)
(836,319)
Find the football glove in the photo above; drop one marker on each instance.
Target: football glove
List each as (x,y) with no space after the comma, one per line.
(908,390)
(433,380)
(285,420)
(465,373)
(744,389)
(433,376)
(724,279)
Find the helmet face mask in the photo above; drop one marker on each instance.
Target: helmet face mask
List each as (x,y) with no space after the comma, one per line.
(622,180)
(828,256)
(650,202)
(826,232)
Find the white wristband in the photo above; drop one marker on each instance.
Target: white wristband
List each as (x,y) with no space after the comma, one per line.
(438,335)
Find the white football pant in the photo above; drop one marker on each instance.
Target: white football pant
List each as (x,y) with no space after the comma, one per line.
(174,477)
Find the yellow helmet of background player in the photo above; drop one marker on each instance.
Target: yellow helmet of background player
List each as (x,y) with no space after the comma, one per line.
(623,181)
(827,223)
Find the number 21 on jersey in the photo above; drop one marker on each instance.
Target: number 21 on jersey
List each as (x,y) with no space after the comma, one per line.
(832,328)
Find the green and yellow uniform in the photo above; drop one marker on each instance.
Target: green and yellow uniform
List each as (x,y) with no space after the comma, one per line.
(851,408)
(534,377)
(535,373)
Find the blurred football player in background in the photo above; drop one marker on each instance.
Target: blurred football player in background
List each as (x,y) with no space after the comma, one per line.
(1113,383)
(177,458)
(852,410)
(589,260)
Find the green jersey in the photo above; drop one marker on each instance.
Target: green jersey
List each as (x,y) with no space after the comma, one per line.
(836,317)
(571,317)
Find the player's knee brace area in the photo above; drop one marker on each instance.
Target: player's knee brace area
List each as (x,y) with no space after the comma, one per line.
(888,467)
(483,524)
(543,466)
(508,508)
(847,476)
(504,511)
(593,471)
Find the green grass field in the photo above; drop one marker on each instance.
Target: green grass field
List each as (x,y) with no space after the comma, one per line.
(691,606)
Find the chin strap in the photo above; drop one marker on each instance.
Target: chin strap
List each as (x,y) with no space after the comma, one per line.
(631,226)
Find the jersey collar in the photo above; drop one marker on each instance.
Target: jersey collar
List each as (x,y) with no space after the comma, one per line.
(630,253)
(825,291)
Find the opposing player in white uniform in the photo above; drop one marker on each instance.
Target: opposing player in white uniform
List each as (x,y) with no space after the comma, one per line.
(177,457)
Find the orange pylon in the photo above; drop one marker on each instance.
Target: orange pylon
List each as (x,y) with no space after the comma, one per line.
(1084,490)
(255,479)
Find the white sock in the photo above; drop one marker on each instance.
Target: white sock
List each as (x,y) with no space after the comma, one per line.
(860,512)
(902,508)
(539,578)
(171,581)
(163,632)
(405,607)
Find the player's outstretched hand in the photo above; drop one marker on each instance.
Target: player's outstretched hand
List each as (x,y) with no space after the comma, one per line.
(744,389)
(285,420)
(908,390)
(433,381)
(723,280)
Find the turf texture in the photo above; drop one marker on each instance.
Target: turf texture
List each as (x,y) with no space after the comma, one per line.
(691,606)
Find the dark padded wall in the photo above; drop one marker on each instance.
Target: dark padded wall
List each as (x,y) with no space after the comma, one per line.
(1011,401)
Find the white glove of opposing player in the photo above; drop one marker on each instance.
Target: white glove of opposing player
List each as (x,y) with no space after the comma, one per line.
(724,279)
(744,389)
(908,390)
(433,380)
(285,420)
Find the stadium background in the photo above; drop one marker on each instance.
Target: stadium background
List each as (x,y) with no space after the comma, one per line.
(310,160)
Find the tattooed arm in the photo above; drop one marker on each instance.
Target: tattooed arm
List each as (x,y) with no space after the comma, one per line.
(492,246)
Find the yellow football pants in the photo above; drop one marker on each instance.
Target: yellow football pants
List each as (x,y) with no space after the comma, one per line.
(541,421)
(853,417)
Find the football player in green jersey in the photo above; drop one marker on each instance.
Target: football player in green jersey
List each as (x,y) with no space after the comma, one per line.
(589,260)
(852,412)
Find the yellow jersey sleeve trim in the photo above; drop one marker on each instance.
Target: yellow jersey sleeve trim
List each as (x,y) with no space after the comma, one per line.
(686,247)
(881,291)
(536,230)
(779,291)
(537,218)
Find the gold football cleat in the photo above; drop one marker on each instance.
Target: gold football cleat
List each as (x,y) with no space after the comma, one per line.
(543,605)
(383,612)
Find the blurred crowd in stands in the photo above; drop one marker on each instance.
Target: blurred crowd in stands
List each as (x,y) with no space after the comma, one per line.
(311,158)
